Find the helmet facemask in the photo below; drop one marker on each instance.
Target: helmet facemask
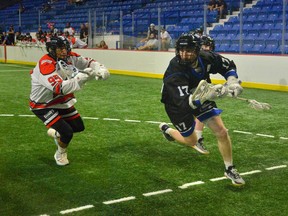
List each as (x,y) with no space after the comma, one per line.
(187,49)
(58,48)
(207,43)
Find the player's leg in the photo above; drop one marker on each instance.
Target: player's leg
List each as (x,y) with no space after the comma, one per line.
(216,124)
(185,133)
(73,118)
(199,127)
(61,132)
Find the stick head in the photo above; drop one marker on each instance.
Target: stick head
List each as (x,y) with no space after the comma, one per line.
(258,105)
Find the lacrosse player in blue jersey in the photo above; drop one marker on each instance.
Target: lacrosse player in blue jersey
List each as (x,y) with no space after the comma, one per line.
(186,93)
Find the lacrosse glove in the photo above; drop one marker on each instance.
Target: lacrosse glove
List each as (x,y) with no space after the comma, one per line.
(233,85)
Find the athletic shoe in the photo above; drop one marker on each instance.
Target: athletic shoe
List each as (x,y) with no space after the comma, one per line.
(61,158)
(163,127)
(199,146)
(232,174)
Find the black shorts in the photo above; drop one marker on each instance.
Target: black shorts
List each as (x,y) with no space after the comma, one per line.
(184,120)
(51,115)
(64,121)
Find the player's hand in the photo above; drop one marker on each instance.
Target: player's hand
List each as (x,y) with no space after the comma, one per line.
(101,72)
(81,78)
(220,90)
(234,87)
(90,72)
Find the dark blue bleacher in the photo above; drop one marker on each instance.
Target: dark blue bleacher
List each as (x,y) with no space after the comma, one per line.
(262,29)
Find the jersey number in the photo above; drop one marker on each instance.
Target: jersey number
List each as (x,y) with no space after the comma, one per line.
(226,63)
(183,90)
(54,79)
(181,126)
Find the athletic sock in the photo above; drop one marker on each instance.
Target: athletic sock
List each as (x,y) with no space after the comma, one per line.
(228,164)
(199,134)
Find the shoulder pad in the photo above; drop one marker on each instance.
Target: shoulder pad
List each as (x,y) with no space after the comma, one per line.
(47,65)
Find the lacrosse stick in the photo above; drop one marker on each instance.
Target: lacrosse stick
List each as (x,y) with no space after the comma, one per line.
(255,104)
(206,91)
(67,71)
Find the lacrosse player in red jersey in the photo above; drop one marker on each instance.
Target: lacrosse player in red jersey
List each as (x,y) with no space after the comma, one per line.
(186,93)
(55,78)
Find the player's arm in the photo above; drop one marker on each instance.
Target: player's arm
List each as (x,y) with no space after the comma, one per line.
(58,86)
(228,70)
(101,72)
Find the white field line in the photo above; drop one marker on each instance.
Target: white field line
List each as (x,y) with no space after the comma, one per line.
(218,179)
(265,135)
(119,200)
(139,121)
(93,118)
(27,115)
(76,209)
(15,70)
(110,119)
(131,120)
(184,186)
(251,172)
(242,132)
(6,115)
(20,66)
(276,167)
(153,122)
(157,192)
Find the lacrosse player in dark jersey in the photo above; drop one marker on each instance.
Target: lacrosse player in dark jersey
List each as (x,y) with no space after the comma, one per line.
(186,93)
(208,44)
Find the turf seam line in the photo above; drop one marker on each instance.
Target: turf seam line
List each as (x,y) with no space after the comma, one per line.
(157,192)
(120,200)
(76,209)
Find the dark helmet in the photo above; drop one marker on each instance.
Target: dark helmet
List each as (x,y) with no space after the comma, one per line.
(57,42)
(187,41)
(199,31)
(208,41)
